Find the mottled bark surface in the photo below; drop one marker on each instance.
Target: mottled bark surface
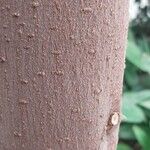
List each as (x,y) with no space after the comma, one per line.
(61,71)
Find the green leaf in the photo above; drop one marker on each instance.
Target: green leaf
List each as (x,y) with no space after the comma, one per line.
(146,112)
(145,104)
(142,135)
(131,35)
(144,80)
(144,44)
(130,106)
(138,57)
(126,132)
(130,73)
(122,146)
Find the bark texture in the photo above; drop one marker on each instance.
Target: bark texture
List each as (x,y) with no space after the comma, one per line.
(61,71)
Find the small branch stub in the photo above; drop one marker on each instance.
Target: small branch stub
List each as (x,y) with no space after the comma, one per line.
(41,73)
(24,81)
(35,4)
(23,102)
(114,119)
(2,59)
(16,15)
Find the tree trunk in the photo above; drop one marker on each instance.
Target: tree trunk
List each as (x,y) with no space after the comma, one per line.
(61,71)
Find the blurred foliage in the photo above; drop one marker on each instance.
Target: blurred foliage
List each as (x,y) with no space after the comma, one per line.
(135,128)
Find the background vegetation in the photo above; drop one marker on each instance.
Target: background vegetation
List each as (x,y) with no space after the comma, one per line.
(135,127)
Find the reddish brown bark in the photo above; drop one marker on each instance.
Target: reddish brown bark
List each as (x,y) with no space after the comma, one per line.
(61,70)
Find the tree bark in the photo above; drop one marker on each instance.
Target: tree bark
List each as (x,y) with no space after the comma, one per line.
(61,72)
